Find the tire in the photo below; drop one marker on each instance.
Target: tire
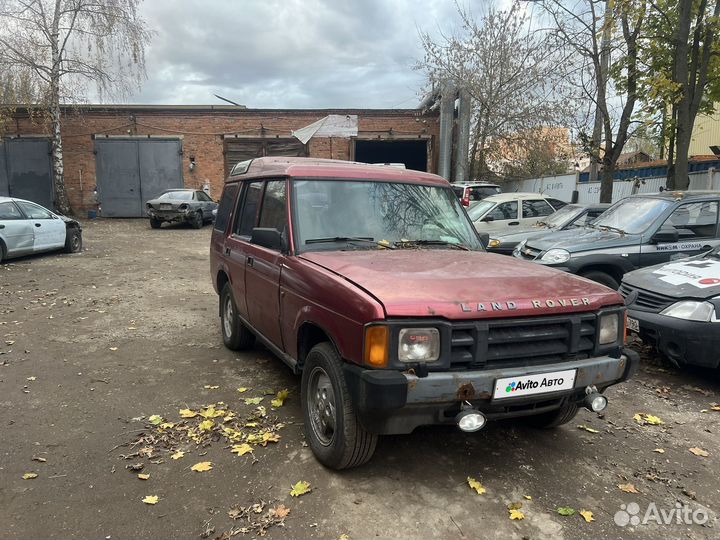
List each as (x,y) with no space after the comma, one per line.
(336,437)
(155,223)
(197,221)
(236,336)
(553,419)
(602,278)
(73,241)
(2,251)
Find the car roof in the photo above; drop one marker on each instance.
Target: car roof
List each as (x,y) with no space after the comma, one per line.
(504,197)
(697,194)
(473,184)
(15,199)
(332,169)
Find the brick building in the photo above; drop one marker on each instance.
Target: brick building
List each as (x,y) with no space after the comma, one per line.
(129,152)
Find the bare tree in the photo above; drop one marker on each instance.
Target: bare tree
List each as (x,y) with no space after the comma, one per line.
(68,46)
(595,31)
(510,71)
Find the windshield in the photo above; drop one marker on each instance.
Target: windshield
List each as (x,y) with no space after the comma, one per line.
(633,215)
(332,212)
(562,217)
(177,195)
(476,211)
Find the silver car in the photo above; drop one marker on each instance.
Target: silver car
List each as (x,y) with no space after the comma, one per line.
(26,227)
(192,206)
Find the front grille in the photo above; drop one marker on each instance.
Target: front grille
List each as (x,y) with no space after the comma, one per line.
(529,253)
(521,342)
(646,300)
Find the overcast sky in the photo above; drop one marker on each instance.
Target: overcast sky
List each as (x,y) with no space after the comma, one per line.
(289,53)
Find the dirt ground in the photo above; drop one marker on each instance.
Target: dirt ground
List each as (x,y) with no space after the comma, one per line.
(93,344)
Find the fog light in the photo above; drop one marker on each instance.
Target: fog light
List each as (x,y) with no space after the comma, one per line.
(470,420)
(596,402)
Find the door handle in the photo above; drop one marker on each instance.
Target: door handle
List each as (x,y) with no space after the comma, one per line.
(250,261)
(514,223)
(227,251)
(38,224)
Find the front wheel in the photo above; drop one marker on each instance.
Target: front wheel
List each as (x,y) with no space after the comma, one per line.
(73,241)
(198,220)
(602,278)
(155,223)
(332,429)
(235,335)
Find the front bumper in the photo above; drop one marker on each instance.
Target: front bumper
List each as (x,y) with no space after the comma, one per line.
(393,402)
(685,342)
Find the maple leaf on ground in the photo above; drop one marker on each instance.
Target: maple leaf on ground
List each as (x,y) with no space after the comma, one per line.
(280,512)
(242,389)
(300,488)
(565,511)
(253,400)
(187,413)
(587,515)
(202,466)
(206,425)
(699,451)
(177,455)
(29,475)
(516,514)
(241,449)
(628,488)
(142,476)
(477,486)
(647,419)
(155,419)
(151,499)
(280,398)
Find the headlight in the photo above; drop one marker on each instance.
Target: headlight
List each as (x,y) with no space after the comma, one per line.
(419,345)
(690,311)
(555,256)
(494,242)
(609,328)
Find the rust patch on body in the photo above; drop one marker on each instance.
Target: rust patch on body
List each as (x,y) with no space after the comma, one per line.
(466,392)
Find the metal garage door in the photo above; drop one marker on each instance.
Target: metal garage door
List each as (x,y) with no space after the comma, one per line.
(241,149)
(133,171)
(26,170)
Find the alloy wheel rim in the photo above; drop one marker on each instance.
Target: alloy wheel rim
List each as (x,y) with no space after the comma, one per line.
(228,317)
(322,407)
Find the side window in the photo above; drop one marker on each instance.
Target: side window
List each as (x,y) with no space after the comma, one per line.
(506,210)
(226,203)
(557,203)
(586,218)
(273,213)
(8,210)
(694,220)
(202,196)
(33,211)
(250,201)
(536,208)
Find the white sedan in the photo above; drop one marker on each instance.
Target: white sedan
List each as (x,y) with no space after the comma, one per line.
(506,212)
(26,228)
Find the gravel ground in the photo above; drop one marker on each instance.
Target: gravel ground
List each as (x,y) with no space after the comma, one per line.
(93,344)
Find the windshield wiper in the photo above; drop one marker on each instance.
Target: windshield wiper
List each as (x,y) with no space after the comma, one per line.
(610,228)
(431,243)
(349,239)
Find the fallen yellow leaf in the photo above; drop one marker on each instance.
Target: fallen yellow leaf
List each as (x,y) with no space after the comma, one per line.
(206,425)
(211,387)
(155,419)
(628,488)
(659,450)
(202,466)
(528,497)
(142,476)
(699,451)
(587,515)
(715,408)
(588,428)
(113,348)
(477,486)
(280,398)
(516,514)
(645,419)
(343,536)
(29,475)
(253,400)
(177,455)
(242,389)
(300,488)
(151,499)
(33,378)
(241,449)
(187,413)
(211,412)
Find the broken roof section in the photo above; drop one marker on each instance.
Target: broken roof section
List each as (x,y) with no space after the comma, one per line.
(333,125)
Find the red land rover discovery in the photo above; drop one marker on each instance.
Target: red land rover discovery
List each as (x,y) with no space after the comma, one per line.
(372,283)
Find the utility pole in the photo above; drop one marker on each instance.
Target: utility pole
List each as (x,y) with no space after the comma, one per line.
(604,67)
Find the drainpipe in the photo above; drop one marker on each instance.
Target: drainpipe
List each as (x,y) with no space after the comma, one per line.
(447,110)
(463,137)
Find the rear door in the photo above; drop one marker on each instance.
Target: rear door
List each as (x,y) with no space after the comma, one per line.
(533,210)
(263,266)
(48,229)
(16,231)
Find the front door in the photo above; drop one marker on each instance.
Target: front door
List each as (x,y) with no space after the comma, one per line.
(263,266)
(16,232)
(505,216)
(48,229)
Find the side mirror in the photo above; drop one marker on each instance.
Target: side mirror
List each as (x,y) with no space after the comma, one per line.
(267,237)
(488,218)
(666,235)
(484,238)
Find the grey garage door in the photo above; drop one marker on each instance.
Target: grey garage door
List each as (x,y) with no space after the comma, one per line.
(133,171)
(26,171)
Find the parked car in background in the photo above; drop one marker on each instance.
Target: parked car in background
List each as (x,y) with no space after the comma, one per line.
(26,227)
(675,307)
(371,282)
(508,211)
(572,216)
(638,231)
(192,206)
(471,192)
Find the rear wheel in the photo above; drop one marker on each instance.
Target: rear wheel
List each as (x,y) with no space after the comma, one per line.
(73,241)
(553,419)
(198,220)
(602,278)
(235,335)
(155,223)
(332,429)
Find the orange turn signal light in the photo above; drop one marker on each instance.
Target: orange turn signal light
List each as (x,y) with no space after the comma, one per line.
(377,340)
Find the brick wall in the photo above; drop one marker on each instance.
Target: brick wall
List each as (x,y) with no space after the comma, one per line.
(202,130)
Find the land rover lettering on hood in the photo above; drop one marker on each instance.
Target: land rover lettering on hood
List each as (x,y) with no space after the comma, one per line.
(372,283)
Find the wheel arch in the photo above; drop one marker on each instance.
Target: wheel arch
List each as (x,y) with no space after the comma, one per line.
(310,334)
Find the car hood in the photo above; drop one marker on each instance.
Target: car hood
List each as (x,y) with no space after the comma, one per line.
(462,284)
(695,277)
(69,219)
(577,240)
(519,236)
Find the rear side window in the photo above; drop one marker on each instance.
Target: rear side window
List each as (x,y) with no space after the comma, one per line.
(694,220)
(536,208)
(8,210)
(226,203)
(248,214)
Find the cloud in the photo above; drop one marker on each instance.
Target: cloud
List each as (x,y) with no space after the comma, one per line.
(289,53)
